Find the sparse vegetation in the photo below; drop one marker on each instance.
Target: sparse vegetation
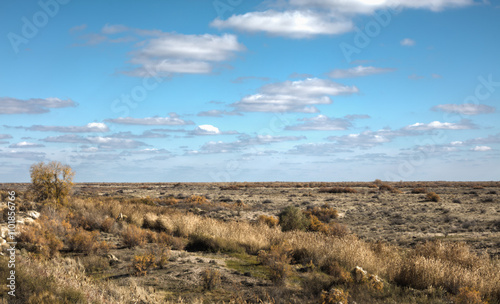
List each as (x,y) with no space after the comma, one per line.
(433,197)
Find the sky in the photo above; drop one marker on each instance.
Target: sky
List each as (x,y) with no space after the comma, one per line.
(239,90)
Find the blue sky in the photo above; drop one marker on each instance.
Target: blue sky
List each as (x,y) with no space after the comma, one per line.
(238,90)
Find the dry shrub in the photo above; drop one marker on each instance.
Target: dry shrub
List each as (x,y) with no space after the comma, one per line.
(107,224)
(210,279)
(40,241)
(270,221)
(133,236)
(204,242)
(334,296)
(467,295)
(331,267)
(277,259)
(142,263)
(324,213)
(382,187)
(433,197)
(83,241)
(418,190)
(456,252)
(196,200)
(94,263)
(338,190)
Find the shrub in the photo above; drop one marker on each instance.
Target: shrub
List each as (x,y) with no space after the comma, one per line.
(433,197)
(203,242)
(292,218)
(52,181)
(83,241)
(278,262)
(133,236)
(334,296)
(210,279)
(270,221)
(338,190)
(142,263)
(93,263)
(467,295)
(107,224)
(39,240)
(418,190)
(196,200)
(324,213)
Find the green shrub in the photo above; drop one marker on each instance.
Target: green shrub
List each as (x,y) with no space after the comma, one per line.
(292,218)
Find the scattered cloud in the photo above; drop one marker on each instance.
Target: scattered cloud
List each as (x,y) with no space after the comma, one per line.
(465,109)
(31,156)
(318,149)
(293,23)
(436,76)
(415,77)
(9,105)
(78,28)
(89,128)
(407,42)
(293,96)
(481,148)
(25,144)
(100,141)
(172,53)
(244,141)
(172,120)
(369,7)
(367,139)
(321,123)
(300,75)
(5,136)
(358,71)
(464,124)
(145,134)
(243,79)
(219,113)
(206,130)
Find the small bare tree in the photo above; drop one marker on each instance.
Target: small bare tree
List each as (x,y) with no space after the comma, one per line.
(52,181)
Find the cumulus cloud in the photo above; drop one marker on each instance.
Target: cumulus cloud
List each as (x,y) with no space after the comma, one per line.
(367,139)
(358,71)
(89,128)
(293,23)
(219,113)
(100,141)
(481,148)
(206,130)
(293,96)
(407,42)
(321,123)
(244,141)
(465,109)
(25,144)
(369,7)
(172,53)
(9,105)
(464,124)
(172,120)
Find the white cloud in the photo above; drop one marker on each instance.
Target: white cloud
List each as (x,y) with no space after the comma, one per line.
(407,42)
(464,124)
(9,105)
(206,130)
(90,127)
(100,141)
(481,148)
(358,71)
(293,96)
(172,120)
(25,144)
(219,113)
(318,149)
(171,53)
(5,136)
(370,6)
(465,109)
(321,123)
(366,139)
(243,142)
(295,24)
